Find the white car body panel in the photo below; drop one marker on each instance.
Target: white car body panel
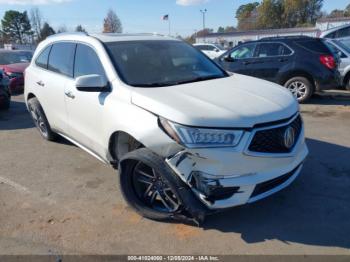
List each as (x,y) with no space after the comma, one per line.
(90,119)
(212,54)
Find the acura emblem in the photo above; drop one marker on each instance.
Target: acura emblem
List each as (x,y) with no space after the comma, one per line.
(289,137)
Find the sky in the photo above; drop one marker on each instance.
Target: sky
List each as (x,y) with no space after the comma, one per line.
(141,16)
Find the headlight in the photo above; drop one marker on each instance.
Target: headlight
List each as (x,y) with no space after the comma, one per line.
(192,137)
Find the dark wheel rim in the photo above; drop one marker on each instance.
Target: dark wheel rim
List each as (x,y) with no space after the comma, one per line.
(153,191)
(39,121)
(298,89)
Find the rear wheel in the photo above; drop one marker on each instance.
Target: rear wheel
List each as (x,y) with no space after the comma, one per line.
(40,120)
(300,87)
(347,83)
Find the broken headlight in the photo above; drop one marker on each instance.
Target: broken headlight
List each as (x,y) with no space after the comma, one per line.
(193,137)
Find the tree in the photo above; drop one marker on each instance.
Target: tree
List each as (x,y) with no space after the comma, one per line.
(221,30)
(36,21)
(80,28)
(270,14)
(112,23)
(46,31)
(230,29)
(247,16)
(16,26)
(62,29)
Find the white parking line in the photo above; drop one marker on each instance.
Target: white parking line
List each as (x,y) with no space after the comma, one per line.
(14,185)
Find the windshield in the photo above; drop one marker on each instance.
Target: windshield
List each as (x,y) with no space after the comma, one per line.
(344,43)
(7,58)
(161,63)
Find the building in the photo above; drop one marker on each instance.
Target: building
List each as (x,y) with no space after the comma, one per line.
(234,38)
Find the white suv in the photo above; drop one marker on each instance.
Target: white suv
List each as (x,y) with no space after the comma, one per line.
(187,137)
(211,50)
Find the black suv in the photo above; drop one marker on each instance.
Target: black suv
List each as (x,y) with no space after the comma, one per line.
(5,96)
(302,64)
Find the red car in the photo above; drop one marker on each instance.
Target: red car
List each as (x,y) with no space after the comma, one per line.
(13,63)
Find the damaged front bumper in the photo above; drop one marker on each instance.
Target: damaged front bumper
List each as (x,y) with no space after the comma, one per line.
(226,177)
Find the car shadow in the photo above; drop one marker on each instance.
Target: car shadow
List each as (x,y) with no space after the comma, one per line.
(17,117)
(333,97)
(314,210)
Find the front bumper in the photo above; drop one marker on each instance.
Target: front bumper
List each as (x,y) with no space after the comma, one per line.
(228,177)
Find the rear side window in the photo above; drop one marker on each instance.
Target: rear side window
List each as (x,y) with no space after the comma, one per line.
(87,62)
(61,58)
(42,59)
(272,49)
(316,46)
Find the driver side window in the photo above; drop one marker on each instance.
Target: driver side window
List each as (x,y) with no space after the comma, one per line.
(87,62)
(244,52)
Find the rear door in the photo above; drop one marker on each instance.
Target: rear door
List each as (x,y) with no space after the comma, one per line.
(270,59)
(240,59)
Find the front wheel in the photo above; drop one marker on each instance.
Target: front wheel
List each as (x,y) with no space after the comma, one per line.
(301,88)
(148,186)
(40,120)
(347,84)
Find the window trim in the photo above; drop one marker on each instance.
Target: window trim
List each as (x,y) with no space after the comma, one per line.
(41,52)
(271,42)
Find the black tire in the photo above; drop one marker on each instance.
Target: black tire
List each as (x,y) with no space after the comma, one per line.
(347,84)
(6,104)
(301,88)
(127,173)
(40,120)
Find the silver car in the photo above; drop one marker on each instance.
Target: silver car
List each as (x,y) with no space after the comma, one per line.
(341,47)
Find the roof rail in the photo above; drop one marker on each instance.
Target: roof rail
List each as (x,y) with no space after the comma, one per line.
(284,37)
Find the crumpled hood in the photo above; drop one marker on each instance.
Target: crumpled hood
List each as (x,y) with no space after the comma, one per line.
(235,101)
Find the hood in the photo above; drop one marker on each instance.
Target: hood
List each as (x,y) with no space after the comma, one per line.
(235,101)
(15,68)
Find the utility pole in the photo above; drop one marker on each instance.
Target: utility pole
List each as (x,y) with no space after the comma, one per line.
(203,13)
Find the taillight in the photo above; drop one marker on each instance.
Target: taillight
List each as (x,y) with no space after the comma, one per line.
(328,61)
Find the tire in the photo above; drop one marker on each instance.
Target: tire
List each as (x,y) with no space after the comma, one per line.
(40,120)
(131,169)
(347,84)
(301,88)
(6,104)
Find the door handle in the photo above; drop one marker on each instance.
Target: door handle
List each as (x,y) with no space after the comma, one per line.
(282,59)
(69,94)
(40,83)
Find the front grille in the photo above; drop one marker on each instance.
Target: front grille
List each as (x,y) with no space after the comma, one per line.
(273,141)
(271,184)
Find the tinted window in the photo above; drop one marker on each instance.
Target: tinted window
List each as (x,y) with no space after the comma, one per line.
(161,63)
(61,58)
(315,45)
(343,32)
(43,58)
(243,52)
(87,62)
(272,49)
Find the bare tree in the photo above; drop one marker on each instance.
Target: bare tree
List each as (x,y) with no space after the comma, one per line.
(36,21)
(112,23)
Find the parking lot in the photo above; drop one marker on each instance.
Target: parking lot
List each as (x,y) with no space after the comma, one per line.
(57,199)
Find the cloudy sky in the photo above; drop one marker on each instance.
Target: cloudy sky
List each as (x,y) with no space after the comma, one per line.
(140,15)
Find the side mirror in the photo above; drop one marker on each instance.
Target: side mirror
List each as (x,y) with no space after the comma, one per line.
(92,83)
(229,59)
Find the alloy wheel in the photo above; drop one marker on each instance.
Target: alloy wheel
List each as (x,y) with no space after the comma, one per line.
(298,89)
(39,121)
(152,189)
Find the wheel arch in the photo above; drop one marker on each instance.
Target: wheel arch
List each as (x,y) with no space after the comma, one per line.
(298,73)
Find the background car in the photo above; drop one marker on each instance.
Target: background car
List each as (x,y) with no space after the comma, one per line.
(5,96)
(301,64)
(342,48)
(211,50)
(337,32)
(13,63)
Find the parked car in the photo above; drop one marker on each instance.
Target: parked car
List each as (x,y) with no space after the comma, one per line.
(211,50)
(187,137)
(13,63)
(5,96)
(336,32)
(301,64)
(341,47)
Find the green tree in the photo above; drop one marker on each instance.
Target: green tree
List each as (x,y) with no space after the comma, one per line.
(80,28)
(16,26)
(221,30)
(247,16)
(270,14)
(230,29)
(46,31)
